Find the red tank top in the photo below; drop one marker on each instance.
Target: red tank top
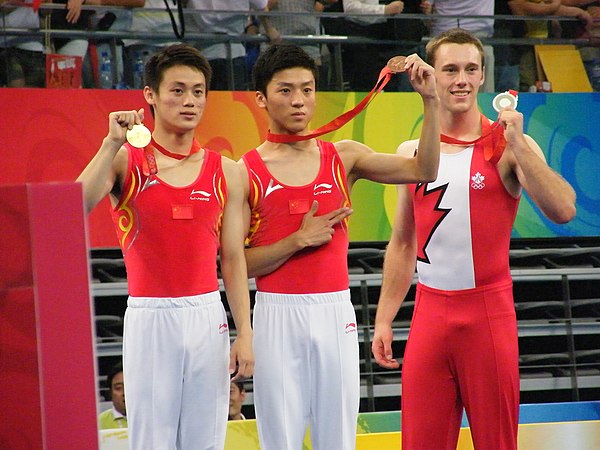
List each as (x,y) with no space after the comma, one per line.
(170,235)
(277,211)
(463,222)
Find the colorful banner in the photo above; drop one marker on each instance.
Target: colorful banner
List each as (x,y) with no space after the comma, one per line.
(50,135)
(242,434)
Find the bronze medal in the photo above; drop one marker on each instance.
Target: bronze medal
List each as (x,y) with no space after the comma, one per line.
(396,64)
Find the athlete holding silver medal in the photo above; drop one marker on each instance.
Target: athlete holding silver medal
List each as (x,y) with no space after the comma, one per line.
(462,349)
(506,100)
(175,207)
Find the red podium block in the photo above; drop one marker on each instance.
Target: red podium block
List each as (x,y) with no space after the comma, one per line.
(47,361)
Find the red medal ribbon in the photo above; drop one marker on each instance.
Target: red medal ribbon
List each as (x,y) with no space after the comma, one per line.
(149,166)
(492,136)
(195,149)
(384,77)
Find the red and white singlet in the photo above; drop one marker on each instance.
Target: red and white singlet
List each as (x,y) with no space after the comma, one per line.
(463,222)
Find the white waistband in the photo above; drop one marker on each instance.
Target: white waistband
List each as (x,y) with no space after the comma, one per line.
(174,302)
(303,299)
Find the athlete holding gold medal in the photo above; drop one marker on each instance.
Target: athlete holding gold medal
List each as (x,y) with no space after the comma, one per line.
(138,135)
(175,206)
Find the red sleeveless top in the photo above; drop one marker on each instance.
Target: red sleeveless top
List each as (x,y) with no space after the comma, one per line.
(170,235)
(278,210)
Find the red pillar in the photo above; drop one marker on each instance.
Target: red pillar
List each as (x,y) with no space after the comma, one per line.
(47,362)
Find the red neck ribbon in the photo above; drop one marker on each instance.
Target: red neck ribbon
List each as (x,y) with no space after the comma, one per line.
(149,166)
(492,137)
(338,122)
(195,149)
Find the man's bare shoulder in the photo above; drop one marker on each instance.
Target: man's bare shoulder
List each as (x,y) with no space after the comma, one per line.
(231,168)
(351,146)
(228,162)
(408,148)
(121,162)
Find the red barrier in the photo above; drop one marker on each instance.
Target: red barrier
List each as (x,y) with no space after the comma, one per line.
(47,362)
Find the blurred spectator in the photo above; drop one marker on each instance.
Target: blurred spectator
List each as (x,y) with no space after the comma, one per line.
(481,28)
(116,417)
(237,395)
(75,18)
(219,53)
(533,29)
(539,29)
(594,11)
(72,17)
(118,19)
(507,56)
(579,10)
(22,59)
(333,26)
(252,28)
(299,25)
(589,54)
(147,19)
(408,32)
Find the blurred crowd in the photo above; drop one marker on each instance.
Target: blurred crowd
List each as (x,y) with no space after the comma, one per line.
(226,32)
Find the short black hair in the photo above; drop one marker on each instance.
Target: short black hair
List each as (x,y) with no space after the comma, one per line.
(278,57)
(175,55)
(117,368)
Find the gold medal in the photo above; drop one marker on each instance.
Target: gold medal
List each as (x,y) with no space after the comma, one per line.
(396,64)
(139,136)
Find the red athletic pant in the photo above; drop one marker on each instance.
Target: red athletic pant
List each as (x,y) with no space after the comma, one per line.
(462,351)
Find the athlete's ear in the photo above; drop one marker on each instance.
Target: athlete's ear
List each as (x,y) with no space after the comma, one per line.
(261,99)
(149,96)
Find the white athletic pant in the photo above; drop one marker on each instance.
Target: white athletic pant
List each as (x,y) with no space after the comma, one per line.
(306,371)
(176,372)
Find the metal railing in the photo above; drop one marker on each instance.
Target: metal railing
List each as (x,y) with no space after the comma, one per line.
(377,382)
(334,42)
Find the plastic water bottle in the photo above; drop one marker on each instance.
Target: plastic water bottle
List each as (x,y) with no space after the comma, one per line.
(138,72)
(595,75)
(106,77)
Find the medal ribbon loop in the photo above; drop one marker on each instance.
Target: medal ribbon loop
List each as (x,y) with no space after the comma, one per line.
(384,76)
(149,166)
(492,137)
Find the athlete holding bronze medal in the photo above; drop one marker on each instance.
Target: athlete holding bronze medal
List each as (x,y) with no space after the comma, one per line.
(298,192)
(462,349)
(175,206)
(397,64)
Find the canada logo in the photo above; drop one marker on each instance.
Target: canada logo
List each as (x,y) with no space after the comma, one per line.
(350,328)
(477,181)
